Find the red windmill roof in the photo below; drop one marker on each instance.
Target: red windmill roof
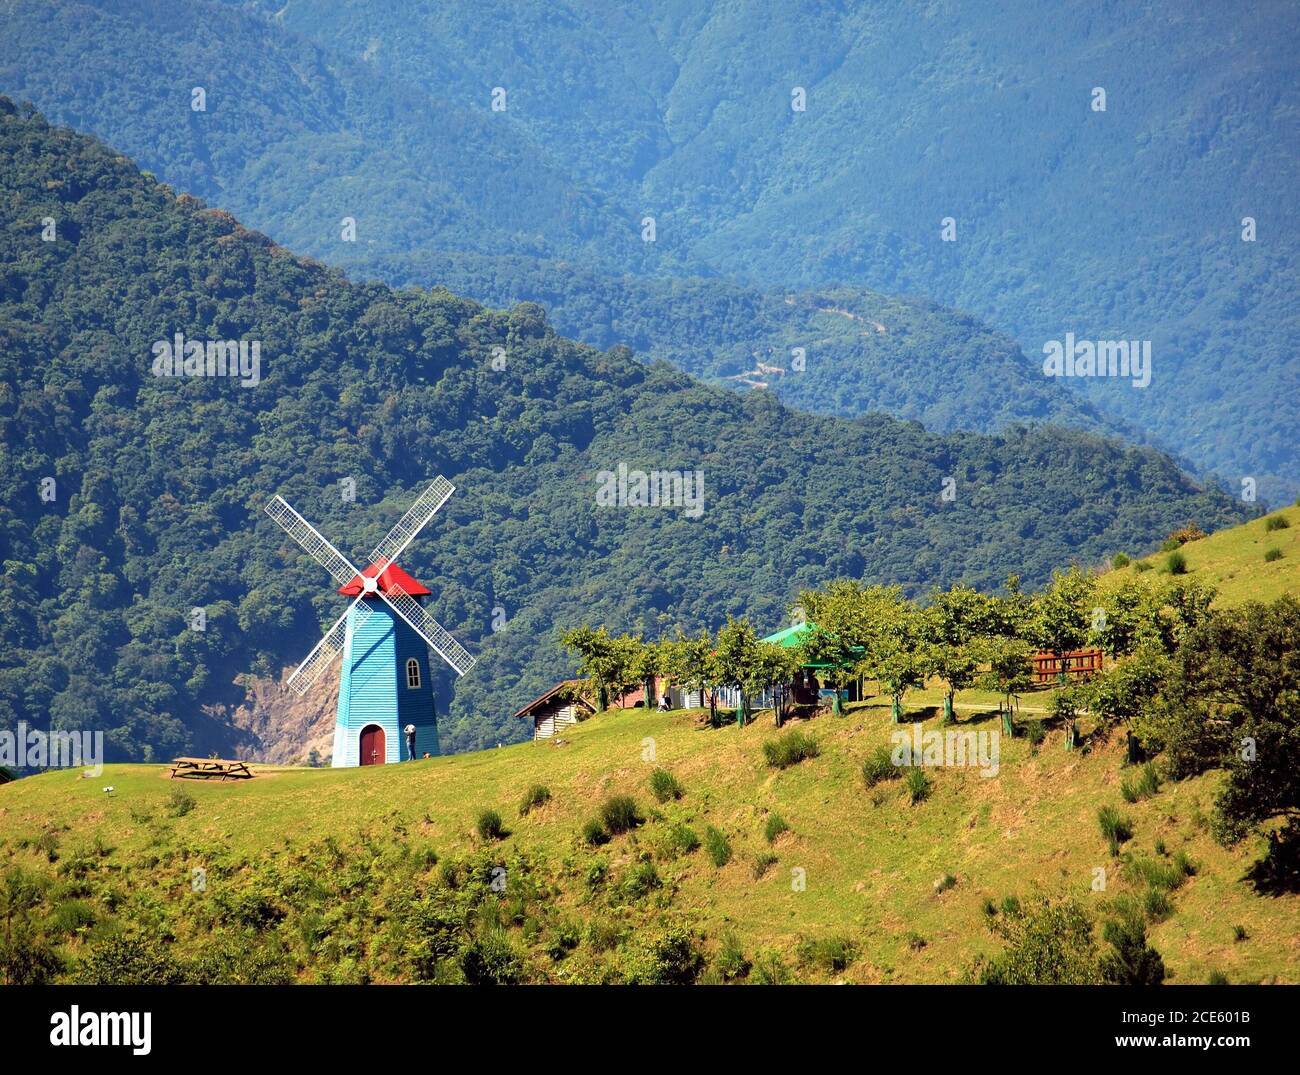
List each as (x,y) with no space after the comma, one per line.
(386,577)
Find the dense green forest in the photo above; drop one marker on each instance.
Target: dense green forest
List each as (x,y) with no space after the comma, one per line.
(158,483)
(1126,222)
(833,351)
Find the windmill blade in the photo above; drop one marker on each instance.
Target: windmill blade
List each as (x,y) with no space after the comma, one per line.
(429,629)
(306,535)
(327,648)
(410,524)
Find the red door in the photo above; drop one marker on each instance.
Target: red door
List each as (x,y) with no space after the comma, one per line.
(372,745)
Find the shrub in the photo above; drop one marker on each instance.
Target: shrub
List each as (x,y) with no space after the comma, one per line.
(680,840)
(535,796)
(1049,942)
(1176,563)
(619,814)
(775,827)
(664,786)
(831,954)
(1120,560)
(731,962)
(1141,565)
(1035,732)
(990,908)
(1217,977)
(914,940)
(603,936)
(944,883)
(489,825)
(717,845)
(1132,961)
(1114,827)
(1275,522)
(790,749)
(879,767)
(640,880)
(564,938)
(1156,905)
(1146,785)
(1239,933)
(769,969)
(597,873)
(1272,555)
(1190,532)
(491,960)
(180,802)
(918,786)
(668,958)
(594,834)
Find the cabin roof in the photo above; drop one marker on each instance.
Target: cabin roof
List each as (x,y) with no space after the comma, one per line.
(541,699)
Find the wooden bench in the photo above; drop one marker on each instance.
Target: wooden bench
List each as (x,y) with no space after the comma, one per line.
(202,768)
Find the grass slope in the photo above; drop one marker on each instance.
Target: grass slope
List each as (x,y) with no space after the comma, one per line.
(1232,560)
(871,859)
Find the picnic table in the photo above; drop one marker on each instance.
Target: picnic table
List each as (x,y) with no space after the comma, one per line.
(202,768)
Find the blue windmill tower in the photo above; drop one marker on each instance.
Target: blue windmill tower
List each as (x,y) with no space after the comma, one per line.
(385,636)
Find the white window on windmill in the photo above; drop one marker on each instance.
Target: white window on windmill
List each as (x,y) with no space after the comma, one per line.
(412,674)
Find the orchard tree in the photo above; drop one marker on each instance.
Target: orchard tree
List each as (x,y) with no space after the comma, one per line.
(896,654)
(846,617)
(772,666)
(957,625)
(645,665)
(1060,619)
(734,658)
(1010,673)
(604,661)
(688,660)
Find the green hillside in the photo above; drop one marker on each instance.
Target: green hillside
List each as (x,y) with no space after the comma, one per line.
(1126,223)
(1238,561)
(159,483)
(519,864)
(350,874)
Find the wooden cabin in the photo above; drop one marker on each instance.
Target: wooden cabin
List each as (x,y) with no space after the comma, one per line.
(1077,664)
(562,705)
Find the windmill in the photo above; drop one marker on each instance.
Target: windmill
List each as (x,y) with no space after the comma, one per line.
(384,636)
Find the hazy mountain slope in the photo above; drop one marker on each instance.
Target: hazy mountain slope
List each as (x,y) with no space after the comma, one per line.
(295,140)
(835,350)
(294,137)
(1124,223)
(160,482)
(1118,223)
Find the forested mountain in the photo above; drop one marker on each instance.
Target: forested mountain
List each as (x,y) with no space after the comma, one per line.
(1123,223)
(831,351)
(159,482)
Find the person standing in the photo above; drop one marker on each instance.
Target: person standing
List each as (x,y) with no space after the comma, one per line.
(410,741)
